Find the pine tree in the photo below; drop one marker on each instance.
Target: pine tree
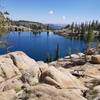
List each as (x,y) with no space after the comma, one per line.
(2,22)
(49,58)
(57,56)
(89,37)
(83,29)
(72,27)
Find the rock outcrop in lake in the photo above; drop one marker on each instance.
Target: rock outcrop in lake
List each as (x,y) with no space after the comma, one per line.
(22,78)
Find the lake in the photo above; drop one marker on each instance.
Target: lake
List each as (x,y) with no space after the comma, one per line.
(39,45)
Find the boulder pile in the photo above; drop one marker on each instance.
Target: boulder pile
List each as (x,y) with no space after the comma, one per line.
(22,78)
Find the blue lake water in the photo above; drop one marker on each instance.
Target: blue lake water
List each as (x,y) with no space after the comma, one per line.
(38,45)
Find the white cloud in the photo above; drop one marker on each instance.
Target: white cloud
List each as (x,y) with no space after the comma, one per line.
(63,17)
(51,12)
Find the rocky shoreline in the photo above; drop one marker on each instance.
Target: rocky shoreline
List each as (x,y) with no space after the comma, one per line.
(22,78)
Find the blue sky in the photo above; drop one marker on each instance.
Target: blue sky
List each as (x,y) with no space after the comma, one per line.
(53,11)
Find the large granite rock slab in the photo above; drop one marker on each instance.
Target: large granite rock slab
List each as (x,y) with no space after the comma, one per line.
(23,78)
(59,79)
(7,67)
(95,59)
(24,63)
(48,92)
(16,69)
(8,95)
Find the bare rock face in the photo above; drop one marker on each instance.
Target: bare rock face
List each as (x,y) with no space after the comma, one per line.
(7,68)
(24,63)
(22,78)
(95,59)
(16,69)
(42,66)
(90,51)
(9,73)
(97,89)
(47,92)
(8,95)
(28,67)
(94,93)
(77,56)
(59,79)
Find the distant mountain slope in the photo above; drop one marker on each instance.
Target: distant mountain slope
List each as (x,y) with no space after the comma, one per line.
(56,26)
(36,25)
(29,24)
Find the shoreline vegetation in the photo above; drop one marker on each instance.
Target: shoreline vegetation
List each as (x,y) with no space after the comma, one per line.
(66,30)
(88,29)
(74,29)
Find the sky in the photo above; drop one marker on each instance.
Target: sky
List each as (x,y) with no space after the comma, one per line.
(53,11)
